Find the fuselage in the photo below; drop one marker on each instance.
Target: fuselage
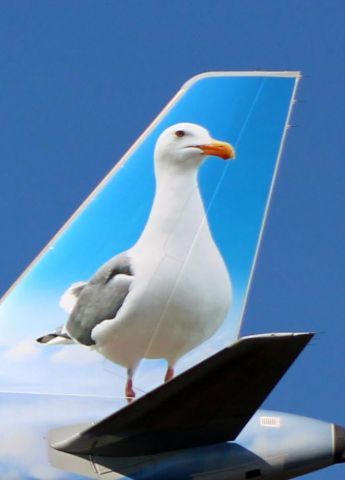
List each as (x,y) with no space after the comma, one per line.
(272,446)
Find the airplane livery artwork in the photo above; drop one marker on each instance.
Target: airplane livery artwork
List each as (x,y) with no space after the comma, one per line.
(120,339)
(171,291)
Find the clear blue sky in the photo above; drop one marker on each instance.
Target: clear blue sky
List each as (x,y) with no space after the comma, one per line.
(81,80)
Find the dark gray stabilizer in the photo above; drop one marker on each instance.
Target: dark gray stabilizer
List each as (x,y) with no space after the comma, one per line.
(210,403)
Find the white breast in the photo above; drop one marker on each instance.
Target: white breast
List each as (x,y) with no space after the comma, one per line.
(181,291)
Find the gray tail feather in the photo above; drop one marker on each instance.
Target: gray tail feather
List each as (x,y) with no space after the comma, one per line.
(56,338)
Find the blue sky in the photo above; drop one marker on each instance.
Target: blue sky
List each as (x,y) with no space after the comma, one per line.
(81,81)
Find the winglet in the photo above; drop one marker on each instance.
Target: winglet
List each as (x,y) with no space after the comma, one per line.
(210,403)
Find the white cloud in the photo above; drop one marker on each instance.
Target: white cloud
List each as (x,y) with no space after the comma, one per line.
(47,472)
(22,351)
(75,355)
(26,420)
(5,342)
(11,474)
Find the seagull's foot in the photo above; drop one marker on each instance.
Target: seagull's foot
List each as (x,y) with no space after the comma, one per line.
(130,393)
(169,374)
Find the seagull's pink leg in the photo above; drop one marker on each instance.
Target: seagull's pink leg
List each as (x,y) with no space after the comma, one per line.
(169,374)
(129,392)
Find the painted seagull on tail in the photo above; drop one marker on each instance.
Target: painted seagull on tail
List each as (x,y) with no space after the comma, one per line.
(171,291)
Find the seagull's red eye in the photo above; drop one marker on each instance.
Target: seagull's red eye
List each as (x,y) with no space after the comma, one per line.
(180,133)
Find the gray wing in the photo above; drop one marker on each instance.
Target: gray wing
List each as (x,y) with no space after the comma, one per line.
(100,298)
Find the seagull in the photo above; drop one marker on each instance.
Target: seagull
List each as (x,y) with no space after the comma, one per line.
(171,291)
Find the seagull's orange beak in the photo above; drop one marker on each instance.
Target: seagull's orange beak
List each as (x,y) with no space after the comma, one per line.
(219,149)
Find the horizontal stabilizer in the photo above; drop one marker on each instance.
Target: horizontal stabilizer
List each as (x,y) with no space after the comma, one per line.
(210,403)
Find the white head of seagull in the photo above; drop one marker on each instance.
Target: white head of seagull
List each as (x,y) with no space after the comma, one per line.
(177,207)
(185,146)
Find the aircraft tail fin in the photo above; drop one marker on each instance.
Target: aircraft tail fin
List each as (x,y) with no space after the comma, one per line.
(210,403)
